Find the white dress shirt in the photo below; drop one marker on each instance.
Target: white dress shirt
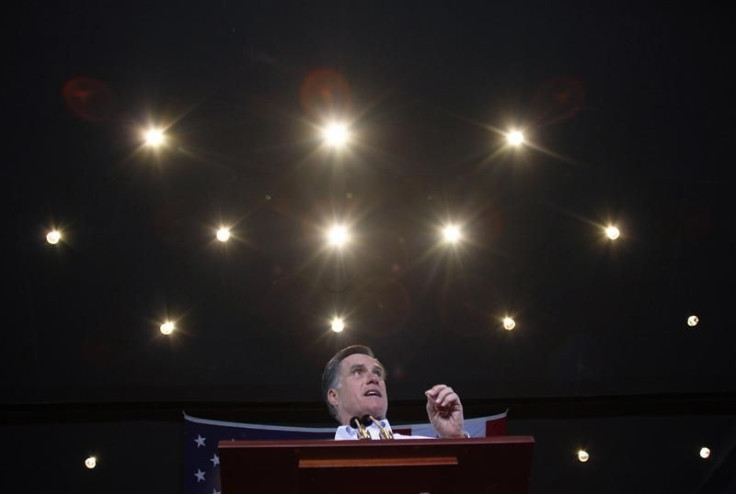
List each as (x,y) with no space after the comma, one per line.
(346,432)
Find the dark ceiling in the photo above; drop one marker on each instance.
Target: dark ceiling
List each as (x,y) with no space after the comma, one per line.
(627,112)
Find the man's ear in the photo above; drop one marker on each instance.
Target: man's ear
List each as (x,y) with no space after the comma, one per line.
(332,397)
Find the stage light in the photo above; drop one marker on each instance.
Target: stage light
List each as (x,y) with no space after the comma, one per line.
(515,138)
(338,236)
(704,453)
(90,462)
(451,234)
(336,135)
(508,323)
(53,237)
(154,137)
(612,232)
(583,456)
(167,328)
(337,325)
(692,321)
(223,234)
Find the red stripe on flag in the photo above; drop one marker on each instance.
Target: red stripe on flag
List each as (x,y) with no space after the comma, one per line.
(496,427)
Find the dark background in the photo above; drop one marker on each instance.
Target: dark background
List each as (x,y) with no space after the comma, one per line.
(628,113)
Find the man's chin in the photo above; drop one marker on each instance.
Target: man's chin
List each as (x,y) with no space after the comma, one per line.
(377,413)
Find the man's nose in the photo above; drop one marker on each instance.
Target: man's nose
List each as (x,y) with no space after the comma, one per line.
(372,378)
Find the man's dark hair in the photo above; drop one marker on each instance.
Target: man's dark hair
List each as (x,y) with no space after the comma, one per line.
(330,376)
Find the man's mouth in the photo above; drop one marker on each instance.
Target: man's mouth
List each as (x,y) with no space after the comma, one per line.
(372,392)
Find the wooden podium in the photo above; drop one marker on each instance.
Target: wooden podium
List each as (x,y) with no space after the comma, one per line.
(409,466)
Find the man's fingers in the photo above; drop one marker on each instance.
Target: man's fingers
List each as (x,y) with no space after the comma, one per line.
(451,400)
(432,392)
(443,397)
(436,390)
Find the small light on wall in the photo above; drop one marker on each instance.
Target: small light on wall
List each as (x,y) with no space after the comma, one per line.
(612,232)
(53,237)
(583,456)
(692,321)
(337,325)
(167,328)
(223,234)
(451,234)
(154,137)
(508,323)
(336,134)
(338,236)
(515,138)
(704,452)
(90,462)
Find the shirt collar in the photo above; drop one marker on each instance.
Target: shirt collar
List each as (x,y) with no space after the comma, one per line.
(347,432)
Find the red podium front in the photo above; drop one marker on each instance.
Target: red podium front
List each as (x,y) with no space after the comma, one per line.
(409,466)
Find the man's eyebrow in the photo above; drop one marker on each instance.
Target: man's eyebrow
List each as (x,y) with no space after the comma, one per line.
(357,367)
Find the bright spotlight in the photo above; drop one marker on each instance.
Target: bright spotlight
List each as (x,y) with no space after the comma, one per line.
(583,456)
(154,137)
(90,462)
(612,232)
(515,138)
(53,237)
(336,135)
(338,236)
(167,328)
(692,321)
(451,234)
(508,323)
(704,452)
(337,325)
(223,234)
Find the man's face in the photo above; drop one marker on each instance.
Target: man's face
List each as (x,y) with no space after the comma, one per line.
(361,389)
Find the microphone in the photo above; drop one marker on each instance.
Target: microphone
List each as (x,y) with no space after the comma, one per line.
(362,431)
(385,433)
